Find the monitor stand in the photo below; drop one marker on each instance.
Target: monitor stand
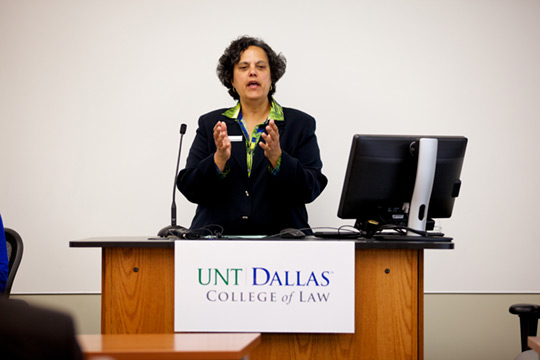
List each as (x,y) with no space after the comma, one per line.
(425,174)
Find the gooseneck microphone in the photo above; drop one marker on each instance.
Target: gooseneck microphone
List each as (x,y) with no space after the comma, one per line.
(173,229)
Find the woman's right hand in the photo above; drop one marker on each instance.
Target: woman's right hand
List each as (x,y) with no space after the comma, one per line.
(223,145)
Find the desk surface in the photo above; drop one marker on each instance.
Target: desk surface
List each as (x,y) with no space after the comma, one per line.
(145,242)
(534,343)
(170,346)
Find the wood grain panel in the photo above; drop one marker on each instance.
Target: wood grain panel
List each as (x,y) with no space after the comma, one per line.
(137,291)
(168,346)
(420,294)
(387,303)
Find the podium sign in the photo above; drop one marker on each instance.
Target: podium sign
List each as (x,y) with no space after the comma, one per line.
(264,286)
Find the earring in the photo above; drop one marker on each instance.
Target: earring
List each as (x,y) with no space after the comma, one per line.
(233,89)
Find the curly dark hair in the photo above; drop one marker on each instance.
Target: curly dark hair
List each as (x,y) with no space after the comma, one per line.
(231,57)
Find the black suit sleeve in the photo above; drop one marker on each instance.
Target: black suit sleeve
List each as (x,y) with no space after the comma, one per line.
(300,178)
(200,181)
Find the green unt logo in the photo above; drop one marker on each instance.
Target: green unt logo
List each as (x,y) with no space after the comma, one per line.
(214,276)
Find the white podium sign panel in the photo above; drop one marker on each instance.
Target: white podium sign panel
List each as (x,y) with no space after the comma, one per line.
(264,286)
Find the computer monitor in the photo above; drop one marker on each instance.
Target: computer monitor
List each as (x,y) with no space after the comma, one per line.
(381,176)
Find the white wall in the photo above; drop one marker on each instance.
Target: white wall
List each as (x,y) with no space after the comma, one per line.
(92,94)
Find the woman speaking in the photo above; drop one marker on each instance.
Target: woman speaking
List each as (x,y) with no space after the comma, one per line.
(253,167)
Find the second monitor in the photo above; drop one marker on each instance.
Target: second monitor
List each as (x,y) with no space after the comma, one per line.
(382,173)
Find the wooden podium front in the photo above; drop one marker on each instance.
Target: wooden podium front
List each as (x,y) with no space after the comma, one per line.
(138,298)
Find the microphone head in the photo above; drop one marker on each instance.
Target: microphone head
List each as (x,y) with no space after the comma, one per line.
(183,129)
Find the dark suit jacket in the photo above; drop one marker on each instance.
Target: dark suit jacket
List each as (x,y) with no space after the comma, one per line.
(263,203)
(28,333)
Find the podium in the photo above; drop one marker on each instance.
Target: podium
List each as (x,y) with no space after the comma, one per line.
(138,298)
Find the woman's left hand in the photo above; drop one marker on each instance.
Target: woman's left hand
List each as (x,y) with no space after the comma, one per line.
(271,146)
